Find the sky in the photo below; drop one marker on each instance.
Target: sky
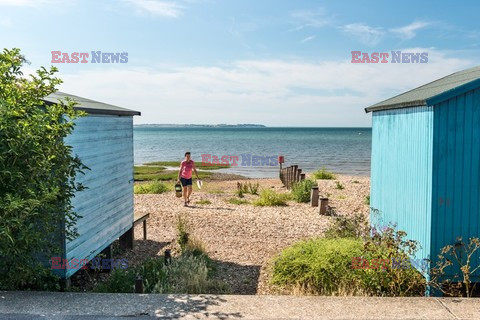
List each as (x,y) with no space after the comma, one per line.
(271,62)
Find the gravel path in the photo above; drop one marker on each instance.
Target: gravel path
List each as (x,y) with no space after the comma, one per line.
(242,238)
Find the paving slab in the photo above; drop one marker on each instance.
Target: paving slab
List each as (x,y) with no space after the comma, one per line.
(58,305)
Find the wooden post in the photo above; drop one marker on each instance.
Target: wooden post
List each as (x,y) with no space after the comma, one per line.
(108,253)
(126,240)
(288,177)
(145,229)
(139,284)
(294,174)
(299,173)
(314,196)
(323,206)
(302,176)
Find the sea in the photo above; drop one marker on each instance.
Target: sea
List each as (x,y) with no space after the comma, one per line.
(341,150)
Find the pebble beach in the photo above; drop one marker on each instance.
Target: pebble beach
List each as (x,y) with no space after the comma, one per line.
(242,238)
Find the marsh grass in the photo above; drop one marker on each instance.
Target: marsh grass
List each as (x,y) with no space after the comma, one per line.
(151,188)
(159,173)
(198,165)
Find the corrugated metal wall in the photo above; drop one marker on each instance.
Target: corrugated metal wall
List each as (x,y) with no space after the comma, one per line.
(456,167)
(401,178)
(105,145)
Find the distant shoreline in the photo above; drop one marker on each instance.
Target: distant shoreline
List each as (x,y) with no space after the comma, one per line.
(247,125)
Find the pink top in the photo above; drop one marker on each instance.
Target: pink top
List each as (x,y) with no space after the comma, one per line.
(186,169)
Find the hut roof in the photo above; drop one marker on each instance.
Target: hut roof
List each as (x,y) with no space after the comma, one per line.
(91,106)
(433,92)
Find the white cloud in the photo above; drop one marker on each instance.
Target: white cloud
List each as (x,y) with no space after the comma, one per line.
(158,7)
(309,38)
(364,33)
(409,31)
(273,92)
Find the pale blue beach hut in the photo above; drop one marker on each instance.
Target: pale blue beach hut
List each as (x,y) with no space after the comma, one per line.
(103,140)
(425,169)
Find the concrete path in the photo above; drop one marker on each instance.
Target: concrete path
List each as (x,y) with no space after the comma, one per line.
(56,305)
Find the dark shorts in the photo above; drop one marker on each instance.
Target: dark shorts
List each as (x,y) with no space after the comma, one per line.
(186,182)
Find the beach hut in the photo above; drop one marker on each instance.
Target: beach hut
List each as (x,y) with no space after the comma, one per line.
(425,169)
(103,140)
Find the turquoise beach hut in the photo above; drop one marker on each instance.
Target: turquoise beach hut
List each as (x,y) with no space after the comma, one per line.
(103,140)
(425,174)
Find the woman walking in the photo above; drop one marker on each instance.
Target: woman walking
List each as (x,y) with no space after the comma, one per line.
(185,177)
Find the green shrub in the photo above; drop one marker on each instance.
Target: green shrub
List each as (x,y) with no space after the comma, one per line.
(326,267)
(320,266)
(120,281)
(237,201)
(38,172)
(339,185)
(388,244)
(352,260)
(301,190)
(323,174)
(150,188)
(271,198)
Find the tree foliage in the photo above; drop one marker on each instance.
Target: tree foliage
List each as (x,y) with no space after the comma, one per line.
(37,174)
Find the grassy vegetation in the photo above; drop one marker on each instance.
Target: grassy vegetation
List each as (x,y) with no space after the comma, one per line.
(339,185)
(271,198)
(323,174)
(330,265)
(301,190)
(237,201)
(198,165)
(244,188)
(203,201)
(320,266)
(189,273)
(152,187)
(158,173)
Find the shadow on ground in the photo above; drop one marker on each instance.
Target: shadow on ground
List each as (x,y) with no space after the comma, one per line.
(194,306)
(242,279)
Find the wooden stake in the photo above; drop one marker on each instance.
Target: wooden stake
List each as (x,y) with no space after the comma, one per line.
(314,197)
(323,206)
